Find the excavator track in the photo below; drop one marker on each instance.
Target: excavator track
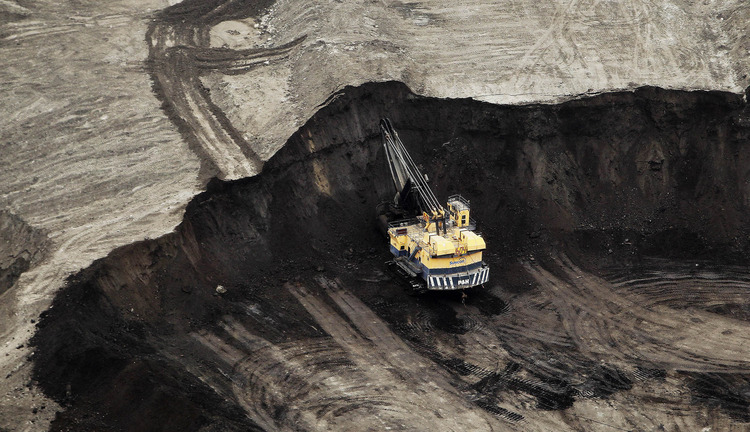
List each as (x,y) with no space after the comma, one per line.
(413,282)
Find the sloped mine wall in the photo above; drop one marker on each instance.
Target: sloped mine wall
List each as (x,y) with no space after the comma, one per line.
(150,332)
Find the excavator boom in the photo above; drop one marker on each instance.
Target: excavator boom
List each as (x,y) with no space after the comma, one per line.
(405,172)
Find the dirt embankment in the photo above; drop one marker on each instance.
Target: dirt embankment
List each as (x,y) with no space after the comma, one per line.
(269,308)
(20,247)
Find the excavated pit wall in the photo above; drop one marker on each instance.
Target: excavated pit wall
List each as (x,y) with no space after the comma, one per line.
(20,247)
(609,179)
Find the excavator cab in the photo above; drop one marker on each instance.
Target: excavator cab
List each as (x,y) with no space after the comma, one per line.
(459,209)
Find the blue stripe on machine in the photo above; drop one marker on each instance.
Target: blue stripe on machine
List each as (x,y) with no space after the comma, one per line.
(396,252)
(452,270)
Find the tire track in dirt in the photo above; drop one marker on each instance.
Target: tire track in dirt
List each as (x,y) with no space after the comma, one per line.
(606,325)
(683,287)
(179,53)
(308,384)
(409,379)
(556,27)
(359,374)
(30,29)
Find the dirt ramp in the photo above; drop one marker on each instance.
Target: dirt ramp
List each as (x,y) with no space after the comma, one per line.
(269,307)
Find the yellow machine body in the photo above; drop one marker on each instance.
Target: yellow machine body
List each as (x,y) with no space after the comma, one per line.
(446,253)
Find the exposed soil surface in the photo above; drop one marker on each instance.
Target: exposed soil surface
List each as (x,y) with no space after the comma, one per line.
(117,113)
(20,246)
(616,235)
